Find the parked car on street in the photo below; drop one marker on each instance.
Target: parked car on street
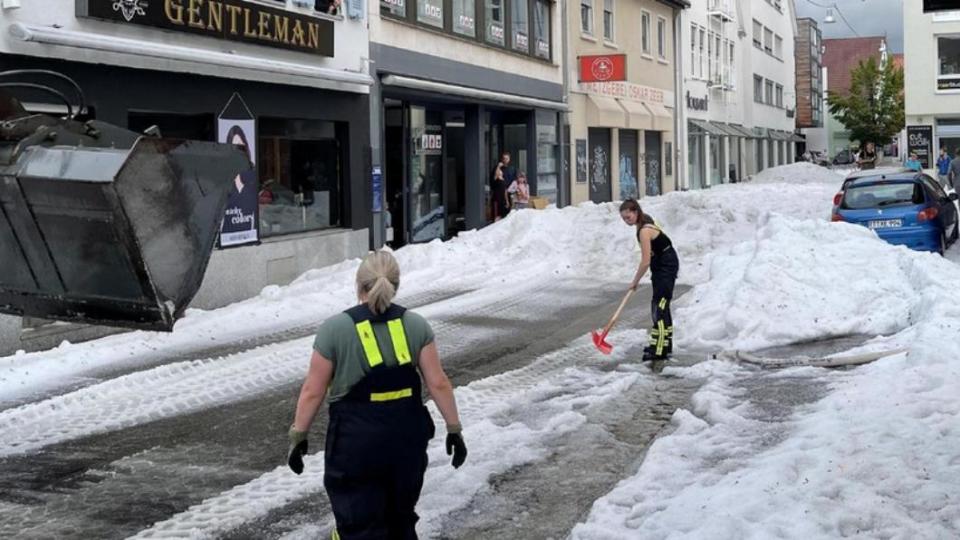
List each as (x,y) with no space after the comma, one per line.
(903,207)
(844,157)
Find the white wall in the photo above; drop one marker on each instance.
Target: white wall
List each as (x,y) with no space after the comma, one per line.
(782,71)
(351,46)
(920,64)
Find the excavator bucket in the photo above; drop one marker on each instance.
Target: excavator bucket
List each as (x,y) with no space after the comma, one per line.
(105,226)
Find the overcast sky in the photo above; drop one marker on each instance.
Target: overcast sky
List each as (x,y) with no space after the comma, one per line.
(868,18)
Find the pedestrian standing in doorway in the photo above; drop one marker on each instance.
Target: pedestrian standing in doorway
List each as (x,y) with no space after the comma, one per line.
(499,203)
(368,363)
(519,191)
(657,255)
(943,167)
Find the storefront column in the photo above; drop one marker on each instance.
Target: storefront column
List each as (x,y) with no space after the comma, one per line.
(614,164)
(725,159)
(707,165)
(474,168)
(641,163)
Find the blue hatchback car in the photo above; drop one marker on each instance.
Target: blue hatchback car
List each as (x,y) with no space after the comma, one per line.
(903,207)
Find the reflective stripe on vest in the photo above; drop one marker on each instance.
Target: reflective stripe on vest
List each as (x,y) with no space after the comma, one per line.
(390,396)
(372,350)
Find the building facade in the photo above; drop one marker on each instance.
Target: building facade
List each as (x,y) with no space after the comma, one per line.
(809,65)
(456,84)
(290,76)
(840,57)
(739,83)
(623,100)
(931,81)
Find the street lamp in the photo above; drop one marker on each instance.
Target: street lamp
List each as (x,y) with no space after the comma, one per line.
(829,19)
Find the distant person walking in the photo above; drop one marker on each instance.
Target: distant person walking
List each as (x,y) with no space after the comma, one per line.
(943,167)
(913,162)
(868,157)
(954,173)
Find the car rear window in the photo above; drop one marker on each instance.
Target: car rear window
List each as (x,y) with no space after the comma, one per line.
(878,195)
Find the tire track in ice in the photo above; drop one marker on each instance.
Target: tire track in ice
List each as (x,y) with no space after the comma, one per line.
(509,420)
(185,387)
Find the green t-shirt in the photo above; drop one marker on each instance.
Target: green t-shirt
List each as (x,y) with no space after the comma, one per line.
(338,342)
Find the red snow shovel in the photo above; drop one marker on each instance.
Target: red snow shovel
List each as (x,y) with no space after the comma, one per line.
(600,336)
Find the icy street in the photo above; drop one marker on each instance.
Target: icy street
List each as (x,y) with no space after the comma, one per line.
(183,435)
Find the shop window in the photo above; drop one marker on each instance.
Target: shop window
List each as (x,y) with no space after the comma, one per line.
(608,26)
(541,28)
(548,172)
(396,8)
(586,16)
(495,22)
(430,12)
(300,166)
(465,17)
(520,21)
(948,51)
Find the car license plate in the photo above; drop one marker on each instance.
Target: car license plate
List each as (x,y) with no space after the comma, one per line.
(885,223)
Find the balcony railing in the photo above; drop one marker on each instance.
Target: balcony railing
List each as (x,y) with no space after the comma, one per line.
(721,9)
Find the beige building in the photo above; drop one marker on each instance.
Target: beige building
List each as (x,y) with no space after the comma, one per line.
(622,98)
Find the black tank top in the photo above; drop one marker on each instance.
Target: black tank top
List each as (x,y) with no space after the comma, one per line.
(659,244)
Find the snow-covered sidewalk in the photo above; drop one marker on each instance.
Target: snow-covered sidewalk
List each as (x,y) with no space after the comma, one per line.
(876,455)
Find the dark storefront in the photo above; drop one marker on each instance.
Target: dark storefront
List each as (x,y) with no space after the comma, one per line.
(442,142)
(309,142)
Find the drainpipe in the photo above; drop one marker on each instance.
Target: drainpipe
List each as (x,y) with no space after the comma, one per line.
(679,110)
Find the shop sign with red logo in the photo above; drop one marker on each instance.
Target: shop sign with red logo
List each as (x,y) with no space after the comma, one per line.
(603,68)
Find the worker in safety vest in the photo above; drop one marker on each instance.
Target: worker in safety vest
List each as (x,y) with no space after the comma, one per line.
(366,362)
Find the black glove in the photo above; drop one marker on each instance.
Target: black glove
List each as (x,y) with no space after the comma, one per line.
(456,446)
(298,449)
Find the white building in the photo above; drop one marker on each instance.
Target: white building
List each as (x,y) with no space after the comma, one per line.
(931,81)
(739,82)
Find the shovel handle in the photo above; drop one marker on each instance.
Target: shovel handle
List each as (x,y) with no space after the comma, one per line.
(616,314)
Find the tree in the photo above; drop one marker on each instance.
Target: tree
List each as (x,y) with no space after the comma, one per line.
(873,110)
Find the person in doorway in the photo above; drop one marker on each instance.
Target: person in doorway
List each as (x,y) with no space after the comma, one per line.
(519,191)
(954,173)
(657,255)
(913,162)
(499,203)
(368,362)
(943,168)
(868,157)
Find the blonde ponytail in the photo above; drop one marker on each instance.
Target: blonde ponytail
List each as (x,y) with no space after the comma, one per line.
(378,278)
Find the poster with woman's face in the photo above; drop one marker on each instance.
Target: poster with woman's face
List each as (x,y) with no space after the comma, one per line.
(240,217)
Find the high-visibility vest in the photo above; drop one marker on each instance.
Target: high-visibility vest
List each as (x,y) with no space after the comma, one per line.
(363,320)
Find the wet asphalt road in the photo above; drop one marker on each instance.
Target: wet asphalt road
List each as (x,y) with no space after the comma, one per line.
(116,484)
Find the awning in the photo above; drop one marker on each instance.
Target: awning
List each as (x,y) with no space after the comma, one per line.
(473,93)
(604,111)
(638,117)
(662,118)
(709,127)
(727,129)
(743,132)
(761,133)
(796,137)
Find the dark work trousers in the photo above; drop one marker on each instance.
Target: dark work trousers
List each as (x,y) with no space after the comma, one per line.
(376,456)
(663,275)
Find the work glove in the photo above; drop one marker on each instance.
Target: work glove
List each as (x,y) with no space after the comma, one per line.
(456,446)
(298,449)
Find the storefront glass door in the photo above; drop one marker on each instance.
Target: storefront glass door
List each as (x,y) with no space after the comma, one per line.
(427,211)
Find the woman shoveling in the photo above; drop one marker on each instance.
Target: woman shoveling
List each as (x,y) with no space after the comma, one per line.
(660,258)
